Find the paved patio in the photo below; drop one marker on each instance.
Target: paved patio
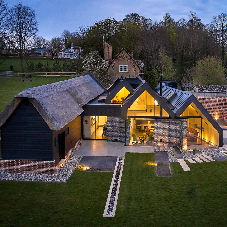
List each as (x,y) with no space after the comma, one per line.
(104,148)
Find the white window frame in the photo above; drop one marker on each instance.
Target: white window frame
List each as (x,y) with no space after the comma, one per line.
(123,68)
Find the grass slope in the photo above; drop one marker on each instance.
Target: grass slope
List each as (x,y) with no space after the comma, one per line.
(195,198)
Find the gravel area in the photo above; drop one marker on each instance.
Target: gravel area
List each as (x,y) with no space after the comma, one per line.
(218,153)
(61,175)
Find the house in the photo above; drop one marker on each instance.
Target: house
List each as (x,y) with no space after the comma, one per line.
(41,52)
(122,64)
(44,123)
(75,52)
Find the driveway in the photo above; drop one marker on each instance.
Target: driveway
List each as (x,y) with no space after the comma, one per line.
(104,148)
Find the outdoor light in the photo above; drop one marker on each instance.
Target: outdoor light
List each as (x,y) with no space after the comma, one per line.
(216,117)
(150,163)
(155,102)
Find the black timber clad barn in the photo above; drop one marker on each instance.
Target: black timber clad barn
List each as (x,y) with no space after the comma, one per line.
(43,123)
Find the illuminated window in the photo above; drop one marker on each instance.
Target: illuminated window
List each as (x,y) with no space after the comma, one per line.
(123,68)
(120,96)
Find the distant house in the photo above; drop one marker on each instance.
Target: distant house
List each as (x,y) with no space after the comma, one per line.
(41,52)
(45,122)
(122,64)
(75,52)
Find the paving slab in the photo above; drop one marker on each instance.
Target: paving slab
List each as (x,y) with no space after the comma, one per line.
(202,158)
(163,169)
(161,156)
(104,148)
(183,164)
(198,160)
(220,158)
(99,163)
(191,161)
(208,157)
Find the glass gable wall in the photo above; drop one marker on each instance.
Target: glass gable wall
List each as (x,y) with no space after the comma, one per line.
(146,105)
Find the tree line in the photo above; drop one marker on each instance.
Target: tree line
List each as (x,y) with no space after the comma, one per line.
(185,50)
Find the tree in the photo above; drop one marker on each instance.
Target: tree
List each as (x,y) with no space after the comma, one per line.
(3,14)
(168,70)
(40,42)
(22,26)
(66,36)
(219,30)
(56,45)
(97,66)
(208,71)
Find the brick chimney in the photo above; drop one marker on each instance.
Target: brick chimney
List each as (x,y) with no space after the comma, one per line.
(107,51)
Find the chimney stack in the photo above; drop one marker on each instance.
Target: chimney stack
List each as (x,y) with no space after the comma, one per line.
(107,51)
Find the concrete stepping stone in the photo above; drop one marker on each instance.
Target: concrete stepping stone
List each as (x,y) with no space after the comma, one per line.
(208,157)
(183,164)
(191,161)
(198,160)
(203,158)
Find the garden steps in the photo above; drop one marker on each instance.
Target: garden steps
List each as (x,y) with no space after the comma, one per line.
(198,160)
(202,158)
(191,161)
(208,157)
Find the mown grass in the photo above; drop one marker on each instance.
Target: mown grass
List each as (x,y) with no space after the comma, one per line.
(9,87)
(195,198)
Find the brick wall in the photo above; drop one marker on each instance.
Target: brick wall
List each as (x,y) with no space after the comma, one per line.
(215,106)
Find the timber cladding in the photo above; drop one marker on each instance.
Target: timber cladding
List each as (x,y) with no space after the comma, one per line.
(25,135)
(71,132)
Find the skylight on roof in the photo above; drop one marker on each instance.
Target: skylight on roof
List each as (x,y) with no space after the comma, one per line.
(170,95)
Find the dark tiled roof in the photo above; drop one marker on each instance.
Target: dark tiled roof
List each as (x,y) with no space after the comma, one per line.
(61,102)
(174,98)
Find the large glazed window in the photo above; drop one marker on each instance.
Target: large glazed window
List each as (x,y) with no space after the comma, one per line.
(199,127)
(95,127)
(120,96)
(146,105)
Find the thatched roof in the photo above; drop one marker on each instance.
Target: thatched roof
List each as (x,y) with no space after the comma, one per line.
(58,103)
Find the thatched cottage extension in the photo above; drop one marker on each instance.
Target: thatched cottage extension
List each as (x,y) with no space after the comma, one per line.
(45,122)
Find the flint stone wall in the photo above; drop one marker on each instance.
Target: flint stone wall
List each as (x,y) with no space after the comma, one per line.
(171,131)
(116,129)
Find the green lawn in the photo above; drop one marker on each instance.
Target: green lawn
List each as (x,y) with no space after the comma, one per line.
(195,198)
(9,87)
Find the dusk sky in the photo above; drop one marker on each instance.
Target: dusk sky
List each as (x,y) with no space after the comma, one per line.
(55,16)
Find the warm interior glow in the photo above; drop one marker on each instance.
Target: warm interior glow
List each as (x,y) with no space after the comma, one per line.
(216,117)
(120,96)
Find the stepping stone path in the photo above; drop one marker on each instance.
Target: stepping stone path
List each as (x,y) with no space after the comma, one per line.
(163,168)
(183,164)
(191,161)
(111,203)
(208,157)
(203,158)
(198,160)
